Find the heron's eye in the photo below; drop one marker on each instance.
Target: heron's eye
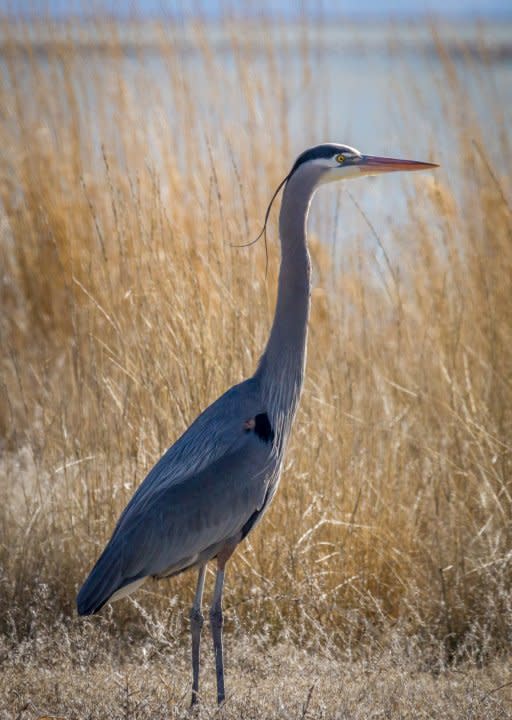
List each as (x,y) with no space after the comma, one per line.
(340,159)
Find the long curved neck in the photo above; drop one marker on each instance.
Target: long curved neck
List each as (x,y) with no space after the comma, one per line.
(281,367)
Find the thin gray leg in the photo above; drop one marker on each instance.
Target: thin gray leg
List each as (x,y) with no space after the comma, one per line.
(196,624)
(216,625)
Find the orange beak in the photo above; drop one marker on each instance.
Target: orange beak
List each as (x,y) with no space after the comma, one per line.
(371,164)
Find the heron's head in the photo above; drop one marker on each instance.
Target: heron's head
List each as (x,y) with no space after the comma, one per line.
(334,162)
(330,162)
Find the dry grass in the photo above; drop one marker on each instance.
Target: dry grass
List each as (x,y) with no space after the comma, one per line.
(126,310)
(74,676)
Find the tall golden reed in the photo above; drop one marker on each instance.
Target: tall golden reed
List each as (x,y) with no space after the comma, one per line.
(126,310)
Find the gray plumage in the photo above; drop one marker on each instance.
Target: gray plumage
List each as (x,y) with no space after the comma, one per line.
(214,484)
(191,500)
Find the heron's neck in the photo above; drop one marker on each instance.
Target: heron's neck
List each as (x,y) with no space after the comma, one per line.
(281,367)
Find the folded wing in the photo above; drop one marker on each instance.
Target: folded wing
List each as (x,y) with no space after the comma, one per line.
(203,491)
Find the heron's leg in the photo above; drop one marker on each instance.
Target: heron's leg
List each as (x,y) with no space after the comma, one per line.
(216,618)
(196,624)
(216,625)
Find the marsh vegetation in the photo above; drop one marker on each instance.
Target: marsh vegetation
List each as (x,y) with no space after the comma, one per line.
(126,309)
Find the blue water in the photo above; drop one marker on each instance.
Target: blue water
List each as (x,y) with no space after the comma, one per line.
(382,88)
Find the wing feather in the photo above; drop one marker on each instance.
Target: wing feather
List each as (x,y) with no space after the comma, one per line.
(213,434)
(182,520)
(201,492)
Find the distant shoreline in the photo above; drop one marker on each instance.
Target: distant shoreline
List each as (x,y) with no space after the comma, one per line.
(474,38)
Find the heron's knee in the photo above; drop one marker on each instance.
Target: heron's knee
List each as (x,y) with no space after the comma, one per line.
(196,618)
(216,617)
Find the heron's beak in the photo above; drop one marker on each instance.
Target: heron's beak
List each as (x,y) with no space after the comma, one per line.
(372,165)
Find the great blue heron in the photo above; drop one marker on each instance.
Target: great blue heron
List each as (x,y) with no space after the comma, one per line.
(213,485)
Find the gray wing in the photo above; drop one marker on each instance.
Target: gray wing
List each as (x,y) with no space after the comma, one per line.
(184,519)
(204,490)
(212,435)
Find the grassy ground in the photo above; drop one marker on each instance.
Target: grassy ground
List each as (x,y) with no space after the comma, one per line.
(126,310)
(77,675)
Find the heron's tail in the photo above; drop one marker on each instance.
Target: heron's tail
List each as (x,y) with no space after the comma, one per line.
(104,580)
